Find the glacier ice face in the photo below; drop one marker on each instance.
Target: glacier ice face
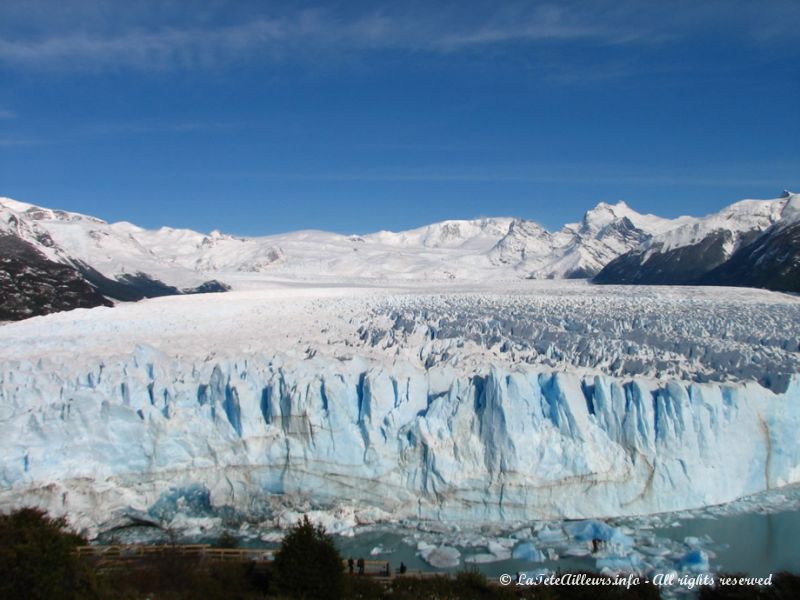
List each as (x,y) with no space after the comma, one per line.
(265,408)
(495,446)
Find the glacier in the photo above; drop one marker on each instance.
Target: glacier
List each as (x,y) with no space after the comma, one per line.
(259,403)
(499,446)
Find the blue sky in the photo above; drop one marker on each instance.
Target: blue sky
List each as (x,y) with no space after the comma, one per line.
(257,117)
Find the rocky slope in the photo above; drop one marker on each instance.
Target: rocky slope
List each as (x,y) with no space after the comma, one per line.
(31,284)
(750,243)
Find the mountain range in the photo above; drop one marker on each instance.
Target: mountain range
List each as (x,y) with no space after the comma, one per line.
(57,260)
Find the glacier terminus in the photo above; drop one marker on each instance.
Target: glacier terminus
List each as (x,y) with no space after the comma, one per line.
(448,401)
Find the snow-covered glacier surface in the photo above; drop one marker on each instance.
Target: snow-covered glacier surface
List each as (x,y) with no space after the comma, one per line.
(530,400)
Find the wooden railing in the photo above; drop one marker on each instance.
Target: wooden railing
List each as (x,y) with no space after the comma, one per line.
(122,552)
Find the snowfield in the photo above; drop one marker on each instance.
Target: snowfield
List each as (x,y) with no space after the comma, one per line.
(454,402)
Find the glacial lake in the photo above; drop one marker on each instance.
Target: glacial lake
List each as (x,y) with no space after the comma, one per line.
(755,536)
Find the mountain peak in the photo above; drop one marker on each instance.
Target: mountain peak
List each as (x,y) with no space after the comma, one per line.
(608,205)
(604,213)
(791,210)
(39,213)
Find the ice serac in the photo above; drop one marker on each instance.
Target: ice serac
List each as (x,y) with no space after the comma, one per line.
(499,444)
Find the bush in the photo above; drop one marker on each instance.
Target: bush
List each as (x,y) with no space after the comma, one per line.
(36,559)
(174,577)
(363,588)
(473,584)
(308,565)
(413,588)
(227,540)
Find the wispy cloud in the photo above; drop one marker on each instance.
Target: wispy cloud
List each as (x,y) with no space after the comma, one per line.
(156,46)
(160,49)
(7,114)
(165,35)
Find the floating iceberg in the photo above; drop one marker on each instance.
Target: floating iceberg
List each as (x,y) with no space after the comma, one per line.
(695,560)
(528,551)
(597,530)
(440,557)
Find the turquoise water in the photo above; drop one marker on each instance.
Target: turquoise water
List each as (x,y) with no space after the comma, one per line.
(755,544)
(756,536)
(752,543)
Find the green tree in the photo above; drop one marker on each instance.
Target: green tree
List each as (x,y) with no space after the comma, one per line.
(36,559)
(308,565)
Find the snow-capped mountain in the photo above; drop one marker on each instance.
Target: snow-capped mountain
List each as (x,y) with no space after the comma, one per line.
(119,260)
(182,259)
(688,252)
(477,235)
(770,261)
(124,262)
(579,249)
(31,284)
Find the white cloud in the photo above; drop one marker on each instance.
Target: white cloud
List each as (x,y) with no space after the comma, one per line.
(169,34)
(311,31)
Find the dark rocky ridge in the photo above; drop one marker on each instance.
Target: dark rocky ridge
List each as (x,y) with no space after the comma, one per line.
(769,259)
(772,261)
(31,284)
(134,287)
(679,266)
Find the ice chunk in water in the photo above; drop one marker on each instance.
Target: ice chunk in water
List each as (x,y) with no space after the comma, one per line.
(580,549)
(597,530)
(441,557)
(481,558)
(527,551)
(629,563)
(694,560)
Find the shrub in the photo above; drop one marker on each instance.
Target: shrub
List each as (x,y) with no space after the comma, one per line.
(363,588)
(227,540)
(308,565)
(472,583)
(36,559)
(174,577)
